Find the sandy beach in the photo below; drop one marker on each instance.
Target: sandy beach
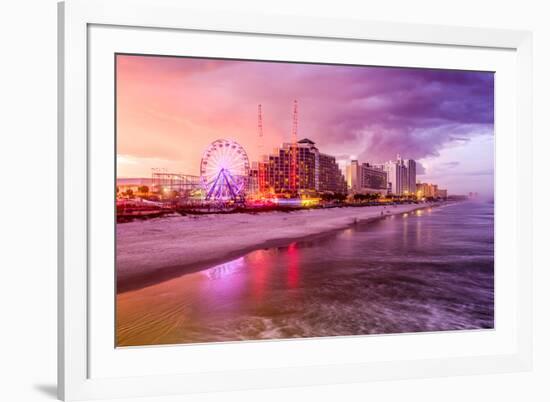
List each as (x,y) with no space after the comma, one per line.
(157,249)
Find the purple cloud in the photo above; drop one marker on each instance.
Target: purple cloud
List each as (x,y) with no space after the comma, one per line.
(370,113)
(414,112)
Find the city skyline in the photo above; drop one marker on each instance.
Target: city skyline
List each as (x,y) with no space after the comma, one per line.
(169,109)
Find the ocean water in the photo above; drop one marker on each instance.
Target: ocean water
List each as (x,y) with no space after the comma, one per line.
(430,270)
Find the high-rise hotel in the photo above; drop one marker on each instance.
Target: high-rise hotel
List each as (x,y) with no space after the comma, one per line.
(366,178)
(394,177)
(401,176)
(315,172)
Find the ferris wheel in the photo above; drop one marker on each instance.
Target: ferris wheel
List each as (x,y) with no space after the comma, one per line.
(224,170)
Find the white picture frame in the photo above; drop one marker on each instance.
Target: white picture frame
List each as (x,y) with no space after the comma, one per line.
(76,347)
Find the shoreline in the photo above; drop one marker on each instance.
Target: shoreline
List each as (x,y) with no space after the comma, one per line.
(153,251)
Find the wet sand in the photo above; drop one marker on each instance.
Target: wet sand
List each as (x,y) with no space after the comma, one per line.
(429,270)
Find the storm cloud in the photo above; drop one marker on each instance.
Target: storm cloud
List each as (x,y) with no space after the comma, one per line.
(170,108)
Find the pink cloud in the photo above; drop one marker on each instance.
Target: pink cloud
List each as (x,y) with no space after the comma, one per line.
(171,108)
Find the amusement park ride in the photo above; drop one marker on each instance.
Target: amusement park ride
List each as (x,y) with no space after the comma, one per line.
(224,170)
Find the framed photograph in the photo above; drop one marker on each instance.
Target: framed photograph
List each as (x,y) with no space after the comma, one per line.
(252,201)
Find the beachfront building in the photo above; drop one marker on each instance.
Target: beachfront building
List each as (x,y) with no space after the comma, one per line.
(253,182)
(411,176)
(396,175)
(401,176)
(430,191)
(315,172)
(441,193)
(331,179)
(365,178)
(425,190)
(352,176)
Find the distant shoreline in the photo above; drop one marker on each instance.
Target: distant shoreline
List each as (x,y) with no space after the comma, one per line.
(156,250)
(147,214)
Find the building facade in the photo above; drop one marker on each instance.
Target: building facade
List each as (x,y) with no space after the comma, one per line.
(331,179)
(366,178)
(353,176)
(425,190)
(253,182)
(401,176)
(411,176)
(315,172)
(397,176)
(441,193)
(430,191)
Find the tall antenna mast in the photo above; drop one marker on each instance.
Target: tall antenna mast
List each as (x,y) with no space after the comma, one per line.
(294,148)
(260,127)
(261,167)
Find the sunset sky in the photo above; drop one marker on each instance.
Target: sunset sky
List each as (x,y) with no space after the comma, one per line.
(169,109)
